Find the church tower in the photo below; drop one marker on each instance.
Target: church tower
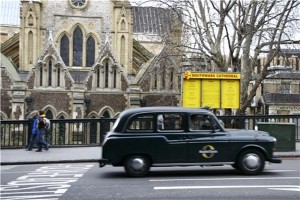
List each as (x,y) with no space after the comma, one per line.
(30,33)
(121,29)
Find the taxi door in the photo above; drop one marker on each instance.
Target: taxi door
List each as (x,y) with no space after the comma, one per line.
(170,126)
(206,143)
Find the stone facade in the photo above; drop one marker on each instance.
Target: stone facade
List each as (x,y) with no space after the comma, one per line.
(85,61)
(279,93)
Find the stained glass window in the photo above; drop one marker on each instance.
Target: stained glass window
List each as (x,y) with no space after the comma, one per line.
(41,76)
(90,52)
(50,73)
(106,73)
(64,49)
(77,47)
(115,78)
(98,77)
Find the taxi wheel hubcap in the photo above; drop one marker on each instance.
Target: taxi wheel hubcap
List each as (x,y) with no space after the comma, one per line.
(137,164)
(252,161)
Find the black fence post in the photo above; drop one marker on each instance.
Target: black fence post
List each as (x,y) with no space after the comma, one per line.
(29,132)
(104,128)
(241,121)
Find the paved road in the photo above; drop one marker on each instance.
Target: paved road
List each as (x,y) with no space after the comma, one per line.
(76,154)
(69,181)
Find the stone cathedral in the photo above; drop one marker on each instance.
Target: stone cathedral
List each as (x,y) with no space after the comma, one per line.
(88,59)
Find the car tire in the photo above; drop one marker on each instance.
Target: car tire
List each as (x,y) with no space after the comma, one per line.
(137,166)
(251,162)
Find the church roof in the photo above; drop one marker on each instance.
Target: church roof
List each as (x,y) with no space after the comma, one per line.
(151,20)
(10,48)
(277,98)
(285,75)
(11,69)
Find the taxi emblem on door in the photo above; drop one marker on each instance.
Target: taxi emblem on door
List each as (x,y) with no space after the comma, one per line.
(208,151)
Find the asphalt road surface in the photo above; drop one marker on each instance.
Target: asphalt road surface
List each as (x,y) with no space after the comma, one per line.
(86,181)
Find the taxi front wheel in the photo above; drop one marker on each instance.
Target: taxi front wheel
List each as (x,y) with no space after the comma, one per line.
(251,162)
(137,165)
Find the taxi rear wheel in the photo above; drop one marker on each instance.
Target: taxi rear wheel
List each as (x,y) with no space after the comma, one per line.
(137,165)
(251,162)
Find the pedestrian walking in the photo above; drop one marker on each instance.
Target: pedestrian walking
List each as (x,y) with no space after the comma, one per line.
(41,126)
(34,132)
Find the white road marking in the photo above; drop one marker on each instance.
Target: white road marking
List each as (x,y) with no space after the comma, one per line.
(286,189)
(47,182)
(224,179)
(280,170)
(225,187)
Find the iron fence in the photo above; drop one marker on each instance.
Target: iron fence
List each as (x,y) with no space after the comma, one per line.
(88,132)
(63,132)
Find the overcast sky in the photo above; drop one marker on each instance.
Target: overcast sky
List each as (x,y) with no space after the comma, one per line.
(10,12)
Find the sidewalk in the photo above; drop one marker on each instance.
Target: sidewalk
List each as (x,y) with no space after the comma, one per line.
(76,154)
(53,155)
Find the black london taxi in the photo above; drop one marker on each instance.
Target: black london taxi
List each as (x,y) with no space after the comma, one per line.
(147,137)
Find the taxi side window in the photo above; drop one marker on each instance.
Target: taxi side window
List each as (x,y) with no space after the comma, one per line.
(168,122)
(200,122)
(141,122)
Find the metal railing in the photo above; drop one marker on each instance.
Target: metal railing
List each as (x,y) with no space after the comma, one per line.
(89,132)
(63,132)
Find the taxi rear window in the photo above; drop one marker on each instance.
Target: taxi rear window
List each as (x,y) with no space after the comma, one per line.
(142,122)
(170,122)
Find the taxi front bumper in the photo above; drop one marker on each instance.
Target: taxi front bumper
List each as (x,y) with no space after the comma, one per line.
(275,160)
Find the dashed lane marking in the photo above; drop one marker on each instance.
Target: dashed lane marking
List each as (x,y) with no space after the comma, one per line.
(224,179)
(286,187)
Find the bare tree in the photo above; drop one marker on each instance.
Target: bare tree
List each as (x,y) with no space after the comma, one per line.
(235,33)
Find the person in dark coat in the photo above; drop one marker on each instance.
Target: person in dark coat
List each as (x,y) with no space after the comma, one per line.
(34,132)
(41,133)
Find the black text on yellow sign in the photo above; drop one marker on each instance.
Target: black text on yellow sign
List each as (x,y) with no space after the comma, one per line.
(211,89)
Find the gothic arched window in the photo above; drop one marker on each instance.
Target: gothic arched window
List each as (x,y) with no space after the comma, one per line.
(163,78)
(50,73)
(106,114)
(41,76)
(90,52)
(98,77)
(172,79)
(122,51)
(106,74)
(115,79)
(30,47)
(77,47)
(58,76)
(49,114)
(64,49)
